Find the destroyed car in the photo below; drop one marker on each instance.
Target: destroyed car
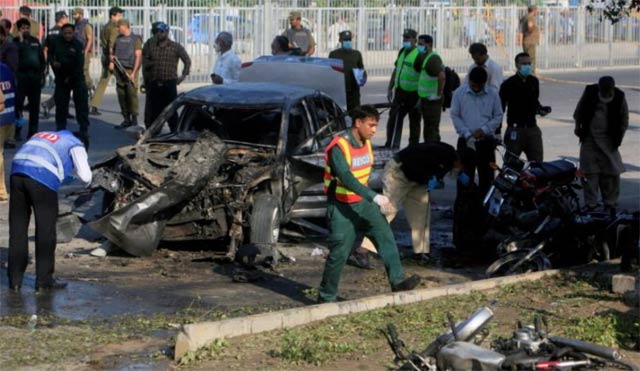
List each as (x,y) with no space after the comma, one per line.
(245,159)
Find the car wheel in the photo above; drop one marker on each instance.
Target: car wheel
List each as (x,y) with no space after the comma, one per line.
(265,226)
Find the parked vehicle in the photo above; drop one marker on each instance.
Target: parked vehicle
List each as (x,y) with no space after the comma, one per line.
(203,28)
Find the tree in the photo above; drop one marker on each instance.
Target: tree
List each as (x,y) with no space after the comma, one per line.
(614,10)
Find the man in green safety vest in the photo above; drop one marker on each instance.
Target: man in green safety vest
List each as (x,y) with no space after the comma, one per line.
(403,90)
(430,86)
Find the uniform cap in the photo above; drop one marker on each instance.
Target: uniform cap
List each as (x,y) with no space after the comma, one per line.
(78,11)
(409,33)
(345,35)
(25,10)
(124,22)
(61,14)
(161,26)
(116,10)
(295,14)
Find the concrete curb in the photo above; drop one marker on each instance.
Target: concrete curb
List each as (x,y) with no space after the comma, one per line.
(193,336)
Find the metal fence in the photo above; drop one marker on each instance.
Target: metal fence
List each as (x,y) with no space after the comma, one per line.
(571,36)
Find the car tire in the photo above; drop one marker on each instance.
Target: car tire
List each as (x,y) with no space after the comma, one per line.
(265,226)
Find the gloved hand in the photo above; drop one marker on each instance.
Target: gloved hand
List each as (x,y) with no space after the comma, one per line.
(463,179)
(433,183)
(385,204)
(20,121)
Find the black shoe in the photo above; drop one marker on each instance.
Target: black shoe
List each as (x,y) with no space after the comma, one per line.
(423,259)
(94,111)
(124,124)
(360,260)
(70,116)
(54,284)
(408,284)
(10,144)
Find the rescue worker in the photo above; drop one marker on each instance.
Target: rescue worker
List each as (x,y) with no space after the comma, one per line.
(403,90)
(354,208)
(160,63)
(530,34)
(602,118)
(300,38)
(108,37)
(84,34)
(7,117)
(430,88)
(351,59)
(128,50)
(520,94)
(408,179)
(67,62)
(30,76)
(35,29)
(47,49)
(38,169)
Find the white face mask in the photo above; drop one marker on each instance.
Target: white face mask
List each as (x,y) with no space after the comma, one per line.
(605,100)
(216,47)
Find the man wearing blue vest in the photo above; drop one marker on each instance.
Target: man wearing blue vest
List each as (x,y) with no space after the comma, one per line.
(403,90)
(38,169)
(7,118)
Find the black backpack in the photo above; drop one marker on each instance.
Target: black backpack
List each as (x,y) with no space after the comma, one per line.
(451,83)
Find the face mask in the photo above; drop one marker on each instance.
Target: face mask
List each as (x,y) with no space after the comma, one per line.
(217,48)
(422,48)
(605,99)
(526,70)
(347,45)
(406,44)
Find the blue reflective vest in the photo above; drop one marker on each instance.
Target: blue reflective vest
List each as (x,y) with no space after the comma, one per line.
(46,157)
(8,86)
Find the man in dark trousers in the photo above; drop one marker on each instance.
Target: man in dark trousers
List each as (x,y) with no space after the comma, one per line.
(47,49)
(30,76)
(520,94)
(160,64)
(403,90)
(38,169)
(351,59)
(128,50)
(430,90)
(67,61)
(353,208)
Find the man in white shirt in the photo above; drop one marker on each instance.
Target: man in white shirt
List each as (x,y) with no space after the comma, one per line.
(227,67)
(480,57)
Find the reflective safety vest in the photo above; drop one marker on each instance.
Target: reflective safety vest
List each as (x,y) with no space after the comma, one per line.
(427,85)
(360,161)
(46,157)
(406,76)
(8,87)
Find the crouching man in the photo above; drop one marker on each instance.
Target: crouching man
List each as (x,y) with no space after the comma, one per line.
(38,169)
(353,208)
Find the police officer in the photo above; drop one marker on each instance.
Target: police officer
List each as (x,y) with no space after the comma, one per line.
(430,88)
(84,34)
(354,208)
(403,90)
(160,63)
(67,61)
(38,169)
(30,76)
(128,50)
(108,38)
(351,59)
(300,38)
(35,29)
(47,49)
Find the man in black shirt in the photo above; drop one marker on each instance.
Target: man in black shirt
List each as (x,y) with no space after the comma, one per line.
(407,180)
(520,93)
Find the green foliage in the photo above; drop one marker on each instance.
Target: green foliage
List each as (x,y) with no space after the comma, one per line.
(316,348)
(599,330)
(214,349)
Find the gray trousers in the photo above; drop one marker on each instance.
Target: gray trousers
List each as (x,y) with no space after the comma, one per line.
(527,140)
(607,186)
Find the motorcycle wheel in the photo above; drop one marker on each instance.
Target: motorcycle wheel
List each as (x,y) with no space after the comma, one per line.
(502,266)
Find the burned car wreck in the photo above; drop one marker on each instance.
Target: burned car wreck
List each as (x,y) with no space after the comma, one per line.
(245,158)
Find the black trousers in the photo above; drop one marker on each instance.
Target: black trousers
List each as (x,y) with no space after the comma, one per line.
(479,160)
(29,87)
(403,103)
(159,95)
(27,194)
(62,96)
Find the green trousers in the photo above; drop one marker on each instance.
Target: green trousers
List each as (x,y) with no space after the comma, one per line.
(345,222)
(127,94)
(102,84)
(431,111)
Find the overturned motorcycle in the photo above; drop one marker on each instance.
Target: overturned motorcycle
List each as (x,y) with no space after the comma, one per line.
(530,348)
(538,223)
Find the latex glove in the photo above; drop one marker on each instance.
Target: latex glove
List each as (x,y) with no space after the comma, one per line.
(385,204)
(20,121)
(463,179)
(432,184)
(471,143)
